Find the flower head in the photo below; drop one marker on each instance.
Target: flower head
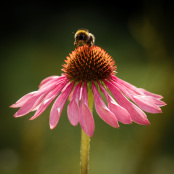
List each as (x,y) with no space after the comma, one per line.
(89,63)
(90,66)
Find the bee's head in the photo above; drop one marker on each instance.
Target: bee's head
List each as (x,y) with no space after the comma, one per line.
(82,35)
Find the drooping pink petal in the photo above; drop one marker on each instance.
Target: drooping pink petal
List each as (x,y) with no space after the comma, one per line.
(126,91)
(48,99)
(139,91)
(52,84)
(158,102)
(137,115)
(48,80)
(37,107)
(29,105)
(23,100)
(45,86)
(146,103)
(121,113)
(58,105)
(73,109)
(86,117)
(102,110)
(151,94)
(126,84)
(86,120)
(36,99)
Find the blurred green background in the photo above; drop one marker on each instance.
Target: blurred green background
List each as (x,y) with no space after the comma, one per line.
(35,40)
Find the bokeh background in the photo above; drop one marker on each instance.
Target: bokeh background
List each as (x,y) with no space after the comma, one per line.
(35,40)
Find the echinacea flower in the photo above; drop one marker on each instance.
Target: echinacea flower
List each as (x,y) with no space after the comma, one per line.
(90,67)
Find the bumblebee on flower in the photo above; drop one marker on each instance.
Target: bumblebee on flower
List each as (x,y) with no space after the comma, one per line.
(89,70)
(83,37)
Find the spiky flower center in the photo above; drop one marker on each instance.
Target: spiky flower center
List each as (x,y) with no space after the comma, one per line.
(89,63)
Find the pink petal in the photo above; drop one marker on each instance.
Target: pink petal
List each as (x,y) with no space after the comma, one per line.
(137,115)
(48,99)
(29,105)
(121,113)
(49,79)
(23,100)
(34,100)
(126,84)
(140,91)
(146,103)
(125,90)
(73,110)
(150,94)
(37,107)
(58,105)
(158,102)
(51,85)
(102,110)
(86,118)
(45,88)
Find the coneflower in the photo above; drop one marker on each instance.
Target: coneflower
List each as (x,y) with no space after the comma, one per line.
(88,71)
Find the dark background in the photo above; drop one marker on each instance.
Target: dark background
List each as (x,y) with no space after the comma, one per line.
(35,40)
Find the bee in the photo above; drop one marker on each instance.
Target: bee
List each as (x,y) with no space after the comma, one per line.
(83,37)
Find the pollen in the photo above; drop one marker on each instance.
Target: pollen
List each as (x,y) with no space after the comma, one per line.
(87,63)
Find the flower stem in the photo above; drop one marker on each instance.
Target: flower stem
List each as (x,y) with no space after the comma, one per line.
(85,144)
(85,140)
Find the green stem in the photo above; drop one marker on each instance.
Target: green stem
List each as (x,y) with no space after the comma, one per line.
(85,144)
(85,140)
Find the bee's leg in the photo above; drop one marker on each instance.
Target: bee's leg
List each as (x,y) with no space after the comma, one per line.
(75,44)
(89,43)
